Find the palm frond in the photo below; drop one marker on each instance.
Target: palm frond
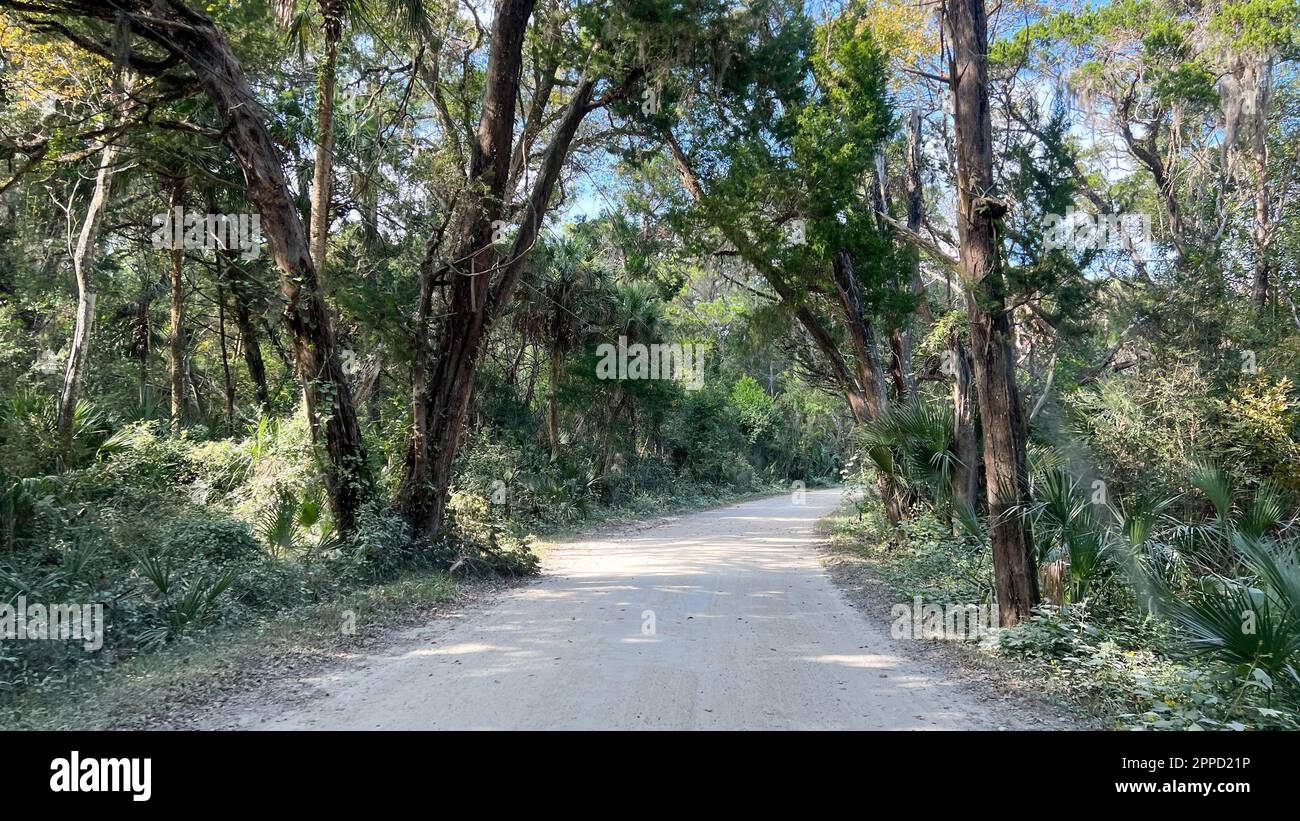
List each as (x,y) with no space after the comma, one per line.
(1213,483)
(1263,512)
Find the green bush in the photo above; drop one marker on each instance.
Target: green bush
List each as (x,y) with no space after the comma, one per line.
(210,536)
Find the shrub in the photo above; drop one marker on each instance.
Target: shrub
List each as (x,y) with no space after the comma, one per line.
(209,536)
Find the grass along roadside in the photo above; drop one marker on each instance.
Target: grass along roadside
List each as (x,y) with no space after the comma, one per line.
(144,691)
(874,579)
(158,688)
(1100,660)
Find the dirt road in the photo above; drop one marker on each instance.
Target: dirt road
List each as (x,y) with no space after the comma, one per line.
(722,619)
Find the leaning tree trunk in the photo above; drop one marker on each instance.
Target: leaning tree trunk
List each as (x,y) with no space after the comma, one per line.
(193,37)
(83,262)
(176,331)
(864,392)
(442,377)
(854,394)
(901,378)
(1001,413)
(451,403)
(442,400)
(870,376)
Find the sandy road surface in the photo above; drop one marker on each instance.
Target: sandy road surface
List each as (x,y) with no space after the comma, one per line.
(748,632)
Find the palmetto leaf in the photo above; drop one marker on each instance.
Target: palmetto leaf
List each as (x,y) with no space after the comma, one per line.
(277,526)
(1239,625)
(310,511)
(1277,569)
(882,458)
(968,519)
(1212,482)
(1262,513)
(913,443)
(157,569)
(1251,624)
(1138,518)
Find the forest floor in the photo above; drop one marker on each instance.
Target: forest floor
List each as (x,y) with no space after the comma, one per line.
(720,619)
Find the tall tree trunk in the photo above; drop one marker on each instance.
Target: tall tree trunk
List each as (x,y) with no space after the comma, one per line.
(870,376)
(1261,232)
(83,263)
(441,397)
(901,378)
(1261,93)
(176,330)
(441,378)
(1001,413)
(323,174)
(966,475)
(83,255)
(195,39)
(241,298)
(460,344)
(141,334)
(225,357)
(553,405)
(915,189)
(965,478)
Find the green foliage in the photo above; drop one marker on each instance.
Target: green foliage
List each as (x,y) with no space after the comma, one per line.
(913,444)
(1161,378)
(756,409)
(29,440)
(1066,529)
(1251,623)
(929,562)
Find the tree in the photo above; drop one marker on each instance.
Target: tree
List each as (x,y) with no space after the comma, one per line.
(560,296)
(83,255)
(983,275)
(480,281)
(805,169)
(176,328)
(335,16)
(194,39)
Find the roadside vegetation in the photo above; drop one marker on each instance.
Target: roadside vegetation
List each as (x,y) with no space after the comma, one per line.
(302,302)
(1169,597)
